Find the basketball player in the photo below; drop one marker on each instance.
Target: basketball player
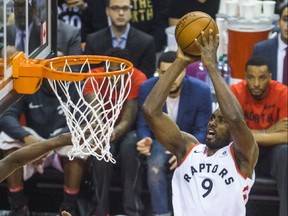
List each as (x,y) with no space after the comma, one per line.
(222,171)
(30,153)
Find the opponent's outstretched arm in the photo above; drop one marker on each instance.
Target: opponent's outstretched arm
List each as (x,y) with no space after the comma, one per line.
(30,153)
(245,147)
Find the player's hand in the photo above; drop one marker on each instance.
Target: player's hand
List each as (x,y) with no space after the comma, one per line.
(172,161)
(279,126)
(186,57)
(144,146)
(209,48)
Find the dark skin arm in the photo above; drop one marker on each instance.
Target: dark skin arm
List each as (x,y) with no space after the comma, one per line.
(244,145)
(127,120)
(165,129)
(177,142)
(274,135)
(30,153)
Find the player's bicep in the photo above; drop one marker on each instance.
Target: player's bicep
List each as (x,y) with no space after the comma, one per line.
(245,148)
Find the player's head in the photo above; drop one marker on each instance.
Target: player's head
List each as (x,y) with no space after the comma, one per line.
(258,76)
(164,62)
(119,12)
(283,21)
(218,133)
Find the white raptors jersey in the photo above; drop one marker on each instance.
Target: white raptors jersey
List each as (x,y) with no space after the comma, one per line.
(210,186)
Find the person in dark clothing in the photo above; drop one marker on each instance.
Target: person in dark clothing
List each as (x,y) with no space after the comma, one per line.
(179,8)
(45,119)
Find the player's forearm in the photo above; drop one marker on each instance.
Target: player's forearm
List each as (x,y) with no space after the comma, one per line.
(228,103)
(269,139)
(160,91)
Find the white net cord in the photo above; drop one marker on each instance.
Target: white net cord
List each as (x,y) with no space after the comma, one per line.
(92,123)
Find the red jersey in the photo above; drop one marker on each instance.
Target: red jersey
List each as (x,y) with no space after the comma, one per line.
(137,78)
(261,114)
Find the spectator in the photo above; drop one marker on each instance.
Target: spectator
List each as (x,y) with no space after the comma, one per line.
(265,106)
(275,49)
(179,8)
(223,169)
(86,15)
(151,17)
(16,33)
(123,135)
(189,105)
(68,40)
(121,34)
(43,115)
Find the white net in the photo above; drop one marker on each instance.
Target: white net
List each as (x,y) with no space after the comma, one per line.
(91,123)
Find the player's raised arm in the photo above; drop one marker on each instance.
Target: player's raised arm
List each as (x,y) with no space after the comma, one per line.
(164,128)
(245,147)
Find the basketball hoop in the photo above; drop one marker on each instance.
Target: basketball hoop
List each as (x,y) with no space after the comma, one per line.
(90,123)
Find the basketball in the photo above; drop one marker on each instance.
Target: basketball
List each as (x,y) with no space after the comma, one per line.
(190,27)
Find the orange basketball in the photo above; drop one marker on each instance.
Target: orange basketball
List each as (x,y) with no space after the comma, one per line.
(190,27)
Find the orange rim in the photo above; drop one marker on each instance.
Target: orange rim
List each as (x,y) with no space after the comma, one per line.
(27,74)
(36,68)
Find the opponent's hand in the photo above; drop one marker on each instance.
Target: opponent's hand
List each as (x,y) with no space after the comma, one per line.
(172,161)
(144,146)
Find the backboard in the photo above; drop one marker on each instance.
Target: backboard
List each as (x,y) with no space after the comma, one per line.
(29,26)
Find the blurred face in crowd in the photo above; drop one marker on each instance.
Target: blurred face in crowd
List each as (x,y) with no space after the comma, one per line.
(20,13)
(283,25)
(177,85)
(258,78)
(119,12)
